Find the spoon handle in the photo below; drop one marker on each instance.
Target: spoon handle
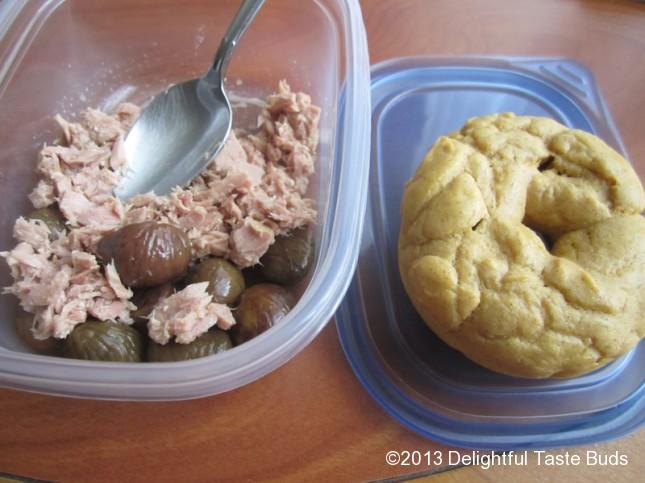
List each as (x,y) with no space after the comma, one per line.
(243,18)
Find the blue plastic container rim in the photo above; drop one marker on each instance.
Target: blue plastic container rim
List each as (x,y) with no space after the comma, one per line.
(613,422)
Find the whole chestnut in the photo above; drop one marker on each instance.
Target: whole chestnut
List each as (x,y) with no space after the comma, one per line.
(147,254)
(23,323)
(225,281)
(287,261)
(209,343)
(94,340)
(261,307)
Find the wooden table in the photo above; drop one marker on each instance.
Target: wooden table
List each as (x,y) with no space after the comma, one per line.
(311,420)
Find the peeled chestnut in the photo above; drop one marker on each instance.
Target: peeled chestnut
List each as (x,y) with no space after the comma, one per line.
(261,307)
(147,254)
(211,342)
(288,260)
(105,341)
(23,323)
(225,281)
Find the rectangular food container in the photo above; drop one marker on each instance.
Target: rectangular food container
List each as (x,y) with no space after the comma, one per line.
(427,386)
(62,56)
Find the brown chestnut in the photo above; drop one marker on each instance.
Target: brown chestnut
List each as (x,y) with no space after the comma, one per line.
(211,342)
(147,254)
(288,260)
(225,281)
(94,340)
(261,307)
(24,321)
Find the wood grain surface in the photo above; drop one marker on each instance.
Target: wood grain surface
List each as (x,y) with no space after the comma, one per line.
(311,420)
(308,421)
(536,468)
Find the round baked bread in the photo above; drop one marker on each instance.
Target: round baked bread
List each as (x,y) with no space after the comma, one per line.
(522,246)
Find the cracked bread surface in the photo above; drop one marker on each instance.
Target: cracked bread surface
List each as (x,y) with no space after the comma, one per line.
(522,246)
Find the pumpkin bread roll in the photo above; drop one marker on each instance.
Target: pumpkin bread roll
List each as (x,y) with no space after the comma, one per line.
(522,246)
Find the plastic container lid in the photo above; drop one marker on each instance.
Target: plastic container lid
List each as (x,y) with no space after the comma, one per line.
(429,387)
(62,56)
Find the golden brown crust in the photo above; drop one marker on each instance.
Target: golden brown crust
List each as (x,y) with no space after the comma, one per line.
(475,266)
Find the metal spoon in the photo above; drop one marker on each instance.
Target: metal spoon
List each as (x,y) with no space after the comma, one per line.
(184,127)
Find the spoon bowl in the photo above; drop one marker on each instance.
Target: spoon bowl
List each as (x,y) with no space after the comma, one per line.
(183,128)
(174,138)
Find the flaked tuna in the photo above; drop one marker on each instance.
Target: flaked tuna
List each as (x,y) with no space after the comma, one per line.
(62,285)
(262,176)
(186,315)
(254,190)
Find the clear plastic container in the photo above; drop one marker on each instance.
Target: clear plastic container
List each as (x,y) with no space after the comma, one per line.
(429,387)
(62,56)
